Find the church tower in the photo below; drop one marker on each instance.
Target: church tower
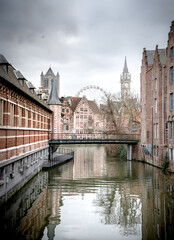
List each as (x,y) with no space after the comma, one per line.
(46,82)
(125,80)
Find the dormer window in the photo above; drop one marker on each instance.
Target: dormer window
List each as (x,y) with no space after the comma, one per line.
(4,63)
(32,90)
(30,86)
(5,68)
(19,76)
(21,82)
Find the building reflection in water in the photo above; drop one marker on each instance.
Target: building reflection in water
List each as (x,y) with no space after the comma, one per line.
(134,198)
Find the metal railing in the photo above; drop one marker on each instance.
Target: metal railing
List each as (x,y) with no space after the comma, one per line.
(93,136)
(65,151)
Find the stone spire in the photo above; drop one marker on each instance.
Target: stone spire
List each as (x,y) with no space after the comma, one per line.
(53,97)
(125,69)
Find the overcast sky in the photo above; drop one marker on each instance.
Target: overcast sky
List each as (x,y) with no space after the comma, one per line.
(86,41)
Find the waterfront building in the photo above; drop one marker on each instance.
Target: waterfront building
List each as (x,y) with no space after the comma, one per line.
(25,121)
(81,115)
(157,104)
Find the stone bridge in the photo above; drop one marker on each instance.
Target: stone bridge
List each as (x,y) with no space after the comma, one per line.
(56,139)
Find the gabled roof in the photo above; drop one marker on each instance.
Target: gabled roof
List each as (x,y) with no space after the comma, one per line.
(74,101)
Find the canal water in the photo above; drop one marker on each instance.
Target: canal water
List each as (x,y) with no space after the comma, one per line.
(92,197)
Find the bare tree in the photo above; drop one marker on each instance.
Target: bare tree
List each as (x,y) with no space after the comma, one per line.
(121,114)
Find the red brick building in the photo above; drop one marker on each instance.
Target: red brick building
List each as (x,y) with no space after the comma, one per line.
(25,120)
(157,104)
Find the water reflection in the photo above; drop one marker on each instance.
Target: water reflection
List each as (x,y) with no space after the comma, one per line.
(93,197)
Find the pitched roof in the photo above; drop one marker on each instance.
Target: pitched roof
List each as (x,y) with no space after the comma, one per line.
(9,78)
(162,55)
(3,60)
(74,101)
(93,106)
(50,72)
(53,97)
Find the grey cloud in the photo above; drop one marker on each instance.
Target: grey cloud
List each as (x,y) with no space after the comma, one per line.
(81,37)
(27,20)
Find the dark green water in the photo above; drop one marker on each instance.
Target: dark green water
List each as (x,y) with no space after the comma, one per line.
(92,197)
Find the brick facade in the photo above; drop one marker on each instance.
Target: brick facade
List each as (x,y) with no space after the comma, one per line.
(156,100)
(25,120)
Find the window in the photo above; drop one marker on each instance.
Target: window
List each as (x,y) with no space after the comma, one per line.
(157,131)
(81,116)
(166,131)
(20,117)
(147,134)
(171,74)
(155,105)
(26,118)
(155,83)
(11,114)
(171,101)
(81,109)
(85,109)
(67,110)
(1,111)
(171,154)
(154,128)
(171,52)
(31,125)
(171,130)
(77,116)
(67,127)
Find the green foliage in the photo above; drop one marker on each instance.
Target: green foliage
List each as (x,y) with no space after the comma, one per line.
(122,152)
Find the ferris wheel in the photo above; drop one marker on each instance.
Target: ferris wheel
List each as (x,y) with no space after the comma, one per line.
(93,92)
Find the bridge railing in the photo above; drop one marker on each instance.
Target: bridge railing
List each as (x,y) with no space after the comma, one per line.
(102,136)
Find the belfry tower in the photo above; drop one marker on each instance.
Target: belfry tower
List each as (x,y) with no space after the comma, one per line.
(125,79)
(46,81)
